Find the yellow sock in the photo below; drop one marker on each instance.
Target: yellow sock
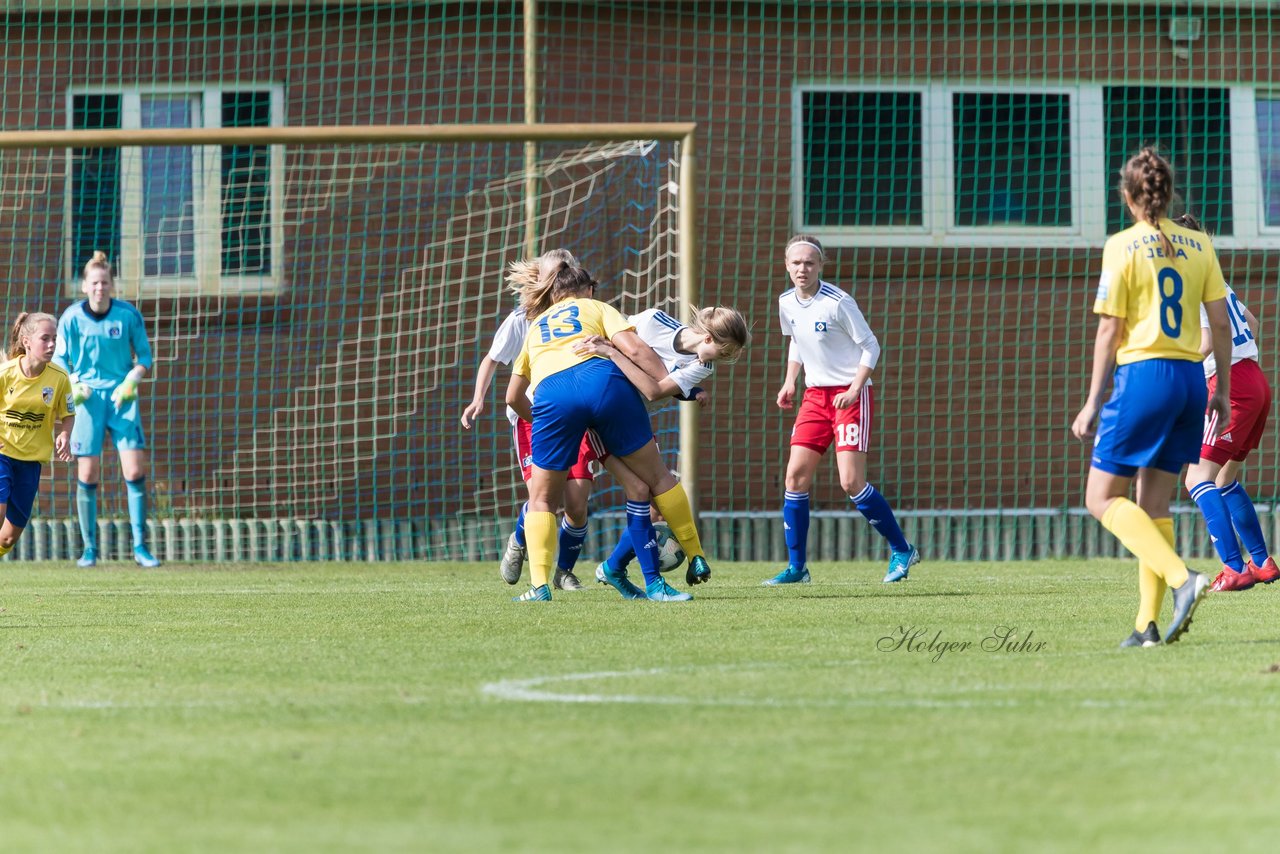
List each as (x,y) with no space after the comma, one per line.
(541,534)
(1140,535)
(674,507)
(1151,587)
(4,550)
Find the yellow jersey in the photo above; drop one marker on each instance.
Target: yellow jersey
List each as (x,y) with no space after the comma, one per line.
(28,409)
(1159,297)
(548,346)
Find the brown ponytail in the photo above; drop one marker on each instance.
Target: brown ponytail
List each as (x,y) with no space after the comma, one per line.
(1146,181)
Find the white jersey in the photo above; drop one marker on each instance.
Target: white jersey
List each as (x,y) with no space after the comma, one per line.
(1243,345)
(661,331)
(508,341)
(829,336)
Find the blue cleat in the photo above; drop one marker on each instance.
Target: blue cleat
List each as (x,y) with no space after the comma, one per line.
(790,575)
(142,557)
(541,593)
(698,571)
(1185,600)
(900,564)
(89,558)
(659,590)
(617,579)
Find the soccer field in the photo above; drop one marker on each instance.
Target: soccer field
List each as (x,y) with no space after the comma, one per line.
(338,707)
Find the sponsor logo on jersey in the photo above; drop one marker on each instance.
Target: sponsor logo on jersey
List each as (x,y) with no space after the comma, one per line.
(819,326)
(71,404)
(1104,285)
(1226,437)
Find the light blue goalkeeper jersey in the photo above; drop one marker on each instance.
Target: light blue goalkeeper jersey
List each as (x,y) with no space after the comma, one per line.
(101,348)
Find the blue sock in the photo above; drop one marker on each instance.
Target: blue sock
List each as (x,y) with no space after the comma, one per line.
(1217,519)
(571,540)
(87,511)
(871,504)
(520,525)
(137,490)
(640,528)
(623,552)
(795,525)
(1245,519)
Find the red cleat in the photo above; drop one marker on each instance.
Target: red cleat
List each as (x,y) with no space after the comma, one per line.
(1266,573)
(1229,580)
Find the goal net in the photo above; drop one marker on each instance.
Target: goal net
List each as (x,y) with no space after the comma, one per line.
(318,312)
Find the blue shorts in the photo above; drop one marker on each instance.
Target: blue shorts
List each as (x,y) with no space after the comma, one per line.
(592,395)
(19,483)
(1154,419)
(97,415)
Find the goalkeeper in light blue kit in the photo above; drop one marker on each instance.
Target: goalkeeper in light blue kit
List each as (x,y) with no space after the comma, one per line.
(102,344)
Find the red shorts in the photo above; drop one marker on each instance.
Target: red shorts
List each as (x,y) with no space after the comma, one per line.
(589,451)
(818,421)
(1250,403)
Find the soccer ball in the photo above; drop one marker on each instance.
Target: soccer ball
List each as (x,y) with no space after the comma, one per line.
(670,555)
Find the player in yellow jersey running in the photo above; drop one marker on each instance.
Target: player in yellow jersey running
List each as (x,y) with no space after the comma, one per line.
(574,392)
(1155,276)
(34,394)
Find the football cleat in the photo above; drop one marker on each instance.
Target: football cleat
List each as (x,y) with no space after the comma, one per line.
(1186,598)
(698,571)
(541,593)
(900,564)
(1229,580)
(1150,636)
(617,579)
(790,575)
(89,558)
(142,557)
(512,560)
(566,580)
(1266,573)
(659,590)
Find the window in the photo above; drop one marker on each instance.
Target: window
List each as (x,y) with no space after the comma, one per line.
(1012,157)
(863,159)
(937,165)
(175,219)
(1268,112)
(1192,127)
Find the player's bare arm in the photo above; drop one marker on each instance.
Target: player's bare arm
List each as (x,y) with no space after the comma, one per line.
(518,397)
(1220,402)
(787,394)
(62,440)
(488,367)
(633,347)
(645,384)
(849,396)
(1105,345)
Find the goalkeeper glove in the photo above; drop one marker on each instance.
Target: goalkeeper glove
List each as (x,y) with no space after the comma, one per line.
(79,392)
(128,388)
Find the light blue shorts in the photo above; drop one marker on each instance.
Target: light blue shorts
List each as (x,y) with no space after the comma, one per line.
(97,415)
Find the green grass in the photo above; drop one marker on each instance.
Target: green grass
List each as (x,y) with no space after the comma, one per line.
(378,708)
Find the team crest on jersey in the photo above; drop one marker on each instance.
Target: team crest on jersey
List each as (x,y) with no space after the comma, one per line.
(46,394)
(819,326)
(115,329)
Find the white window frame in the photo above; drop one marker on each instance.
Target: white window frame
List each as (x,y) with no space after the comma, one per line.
(1090,181)
(207,190)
